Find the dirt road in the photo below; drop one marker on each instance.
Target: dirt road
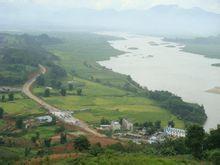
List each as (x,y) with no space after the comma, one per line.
(60,114)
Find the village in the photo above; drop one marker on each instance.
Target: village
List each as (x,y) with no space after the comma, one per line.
(126,130)
(123,130)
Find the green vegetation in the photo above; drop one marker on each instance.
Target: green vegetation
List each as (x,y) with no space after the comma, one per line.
(188,112)
(125,159)
(1,112)
(44,131)
(81,143)
(20,56)
(78,83)
(205,46)
(194,140)
(21,106)
(106,93)
(100,101)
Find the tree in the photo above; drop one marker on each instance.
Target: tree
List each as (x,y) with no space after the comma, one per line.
(1,112)
(33,139)
(70,85)
(37,135)
(104,121)
(60,129)
(19,123)
(157,124)
(194,140)
(3,98)
(41,80)
(27,151)
(47,92)
(81,143)
(96,149)
(10,96)
(63,92)
(171,124)
(63,138)
(79,92)
(212,140)
(47,142)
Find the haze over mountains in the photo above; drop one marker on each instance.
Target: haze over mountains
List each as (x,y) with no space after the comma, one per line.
(165,20)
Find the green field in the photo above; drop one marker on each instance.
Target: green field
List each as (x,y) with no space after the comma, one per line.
(21,106)
(131,159)
(106,97)
(110,103)
(44,131)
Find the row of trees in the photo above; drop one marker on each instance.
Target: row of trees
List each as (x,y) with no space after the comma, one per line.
(63,92)
(192,113)
(150,127)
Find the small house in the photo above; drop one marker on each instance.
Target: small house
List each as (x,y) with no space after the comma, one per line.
(44,119)
(115,125)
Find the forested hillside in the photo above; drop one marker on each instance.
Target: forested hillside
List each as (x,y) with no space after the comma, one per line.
(21,54)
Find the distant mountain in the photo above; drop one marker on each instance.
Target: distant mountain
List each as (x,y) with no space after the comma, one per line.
(169,20)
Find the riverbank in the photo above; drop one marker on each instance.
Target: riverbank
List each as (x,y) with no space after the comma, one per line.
(106,93)
(165,71)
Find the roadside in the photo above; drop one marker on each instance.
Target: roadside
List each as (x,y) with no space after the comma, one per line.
(66,117)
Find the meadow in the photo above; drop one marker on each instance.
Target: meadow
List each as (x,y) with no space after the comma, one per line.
(21,106)
(132,159)
(104,95)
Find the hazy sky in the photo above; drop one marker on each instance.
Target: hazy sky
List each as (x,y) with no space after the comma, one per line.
(209,5)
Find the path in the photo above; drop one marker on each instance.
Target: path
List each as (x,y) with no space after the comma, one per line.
(60,114)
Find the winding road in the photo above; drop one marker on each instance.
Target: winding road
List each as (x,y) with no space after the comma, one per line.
(60,114)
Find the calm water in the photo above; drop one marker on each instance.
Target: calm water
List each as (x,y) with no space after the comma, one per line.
(161,65)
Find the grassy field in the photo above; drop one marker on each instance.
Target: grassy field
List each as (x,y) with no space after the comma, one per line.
(44,131)
(21,106)
(131,159)
(103,97)
(98,101)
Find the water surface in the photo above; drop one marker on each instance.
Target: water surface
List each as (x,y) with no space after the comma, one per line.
(161,65)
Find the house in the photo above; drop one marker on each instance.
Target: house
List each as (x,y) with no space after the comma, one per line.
(157,137)
(105,127)
(175,132)
(50,88)
(126,125)
(115,125)
(44,119)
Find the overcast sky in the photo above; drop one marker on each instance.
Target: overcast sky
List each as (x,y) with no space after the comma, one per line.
(209,5)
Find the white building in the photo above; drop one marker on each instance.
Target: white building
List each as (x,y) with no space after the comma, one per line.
(115,125)
(105,127)
(44,119)
(157,137)
(175,132)
(126,125)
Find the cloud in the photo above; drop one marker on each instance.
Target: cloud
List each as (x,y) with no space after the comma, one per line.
(210,5)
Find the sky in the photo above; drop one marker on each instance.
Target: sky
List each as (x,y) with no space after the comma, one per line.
(209,5)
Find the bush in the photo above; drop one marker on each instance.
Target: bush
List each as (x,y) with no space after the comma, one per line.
(81,143)
(214,156)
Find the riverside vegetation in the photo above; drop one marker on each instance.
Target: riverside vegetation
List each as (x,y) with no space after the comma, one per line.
(91,91)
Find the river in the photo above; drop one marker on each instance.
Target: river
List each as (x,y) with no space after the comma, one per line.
(160,65)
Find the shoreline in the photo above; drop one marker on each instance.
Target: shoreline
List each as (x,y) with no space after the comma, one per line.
(207,121)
